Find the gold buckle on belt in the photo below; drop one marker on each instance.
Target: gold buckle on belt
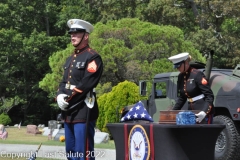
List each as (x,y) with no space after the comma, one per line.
(190,100)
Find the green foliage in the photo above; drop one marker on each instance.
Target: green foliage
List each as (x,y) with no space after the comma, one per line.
(230,44)
(101,103)
(128,52)
(51,81)
(231,26)
(28,37)
(26,16)
(109,10)
(4,119)
(132,48)
(9,63)
(167,12)
(11,102)
(110,104)
(105,88)
(76,9)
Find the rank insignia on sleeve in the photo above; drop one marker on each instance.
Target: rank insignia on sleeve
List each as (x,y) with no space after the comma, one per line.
(204,81)
(92,67)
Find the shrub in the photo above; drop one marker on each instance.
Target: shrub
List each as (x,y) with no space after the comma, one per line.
(5,119)
(110,104)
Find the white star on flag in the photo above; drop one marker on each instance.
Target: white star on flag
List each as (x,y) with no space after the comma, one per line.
(135,115)
(143,115)
(137,109)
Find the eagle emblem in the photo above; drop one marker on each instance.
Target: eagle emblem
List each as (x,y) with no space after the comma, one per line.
(139,146)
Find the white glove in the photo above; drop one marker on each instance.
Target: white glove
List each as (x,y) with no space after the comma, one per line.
(200,116)
(61,101)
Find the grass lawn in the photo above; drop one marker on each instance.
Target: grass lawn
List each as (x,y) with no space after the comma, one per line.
(19,136)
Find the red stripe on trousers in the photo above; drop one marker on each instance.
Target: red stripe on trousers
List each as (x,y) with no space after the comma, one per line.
(126,141)
(210,119)
(151,142)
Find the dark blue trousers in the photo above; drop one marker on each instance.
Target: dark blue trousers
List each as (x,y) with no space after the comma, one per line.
(74,140)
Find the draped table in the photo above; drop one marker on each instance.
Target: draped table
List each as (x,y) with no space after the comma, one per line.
(169,141)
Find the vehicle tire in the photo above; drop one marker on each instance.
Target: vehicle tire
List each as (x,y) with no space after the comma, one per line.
(228,142)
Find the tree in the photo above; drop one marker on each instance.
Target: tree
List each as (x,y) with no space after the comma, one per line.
(132,48)
(26,44)
(195,18)
(126,50)
(75,9)
(51,80)
(9,56)
(128,53)
(216,32)
(169,12)
(109,10)
(26,16)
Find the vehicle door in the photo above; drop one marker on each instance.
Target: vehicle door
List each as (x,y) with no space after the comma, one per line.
(162,91)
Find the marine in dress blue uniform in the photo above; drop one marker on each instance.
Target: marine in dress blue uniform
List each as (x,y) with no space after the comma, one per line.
(192,86)
(82,72)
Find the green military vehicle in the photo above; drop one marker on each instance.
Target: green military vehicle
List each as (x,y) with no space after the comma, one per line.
(225,84)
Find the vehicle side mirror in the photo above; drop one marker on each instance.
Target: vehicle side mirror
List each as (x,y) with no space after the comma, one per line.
(143,88)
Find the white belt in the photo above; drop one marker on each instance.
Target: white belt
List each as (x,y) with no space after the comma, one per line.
(69,86)
(195,98)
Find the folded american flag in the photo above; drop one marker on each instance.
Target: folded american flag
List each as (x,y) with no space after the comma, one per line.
(137,112)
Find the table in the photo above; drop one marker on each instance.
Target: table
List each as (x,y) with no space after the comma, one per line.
(170,141)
